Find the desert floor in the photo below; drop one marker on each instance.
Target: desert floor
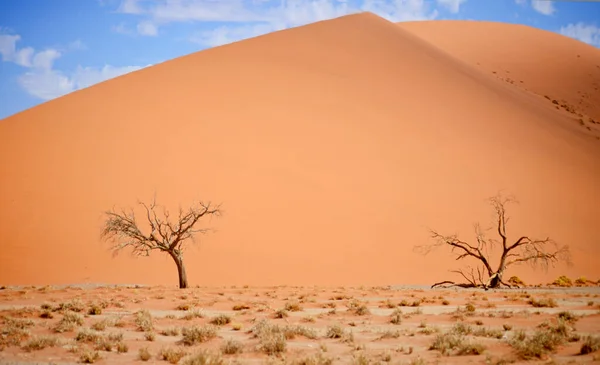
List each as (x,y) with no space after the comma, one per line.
(297,325)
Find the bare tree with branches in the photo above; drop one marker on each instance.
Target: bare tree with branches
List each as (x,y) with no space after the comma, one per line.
(524,250)
(162,233)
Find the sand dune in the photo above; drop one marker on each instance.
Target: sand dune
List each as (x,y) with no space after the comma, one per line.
(538,61)
(331,146)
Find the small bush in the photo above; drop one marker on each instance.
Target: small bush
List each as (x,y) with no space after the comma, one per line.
(198,334)
(272,343)
(150,336)
(544,302)
(281,313)
(220,320)
(568,317)
(194,313)
(470,307)
(488,332)
(122,347)
(68,322)
(144,354)
(171,331)
(203,357)
(87,335)
(446,342)
(543,341)
(240,307)
(231,347)
(563,281)
(335,331)
(172,355)
(461,329)
(46,314)
(581,281)
(236,326)
(95,310)
(143,321)
(88,356)
(396,316)
(73,305)
(445,302)
(515,280)
(40,343)
(292,306)
(290,332)
(468,348)
(590,344)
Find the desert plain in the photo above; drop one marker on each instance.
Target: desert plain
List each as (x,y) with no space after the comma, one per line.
(299,325)
(332,147)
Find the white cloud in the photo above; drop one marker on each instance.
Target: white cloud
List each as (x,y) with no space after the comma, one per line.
(521,2)
(224,35)
(130,7)
(42,80)
(45,84)
(88,76)
(587,33)
(545,7)
(262,16)
(45,59)
(452,5)
(289,13)
(147,28)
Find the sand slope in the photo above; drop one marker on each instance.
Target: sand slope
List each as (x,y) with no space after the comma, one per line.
(332,147)
(544,63)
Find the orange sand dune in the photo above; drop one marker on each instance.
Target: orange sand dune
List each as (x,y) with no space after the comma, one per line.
(332,146)
(532,59)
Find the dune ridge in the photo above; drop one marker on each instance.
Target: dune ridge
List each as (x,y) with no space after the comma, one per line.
(331,146)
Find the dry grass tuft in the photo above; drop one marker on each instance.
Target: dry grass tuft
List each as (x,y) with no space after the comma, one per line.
(198,334)
(203,357)
(144,354)
(69,322)
(231,347)
(171,354)
(40,343)
(543,303)
(143,321)
(88,356)
(563,281)
(590,344)
(221,320)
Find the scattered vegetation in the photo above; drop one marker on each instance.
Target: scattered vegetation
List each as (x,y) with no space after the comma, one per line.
(544,340)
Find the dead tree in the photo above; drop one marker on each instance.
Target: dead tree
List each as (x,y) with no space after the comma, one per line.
(162,233)
(524,250)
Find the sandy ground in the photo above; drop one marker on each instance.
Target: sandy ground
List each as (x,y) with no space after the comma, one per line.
(364,315)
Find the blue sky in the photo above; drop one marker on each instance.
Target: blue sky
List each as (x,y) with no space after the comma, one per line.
(51,48)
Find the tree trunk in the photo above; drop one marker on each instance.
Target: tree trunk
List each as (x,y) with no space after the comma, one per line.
(183,282)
